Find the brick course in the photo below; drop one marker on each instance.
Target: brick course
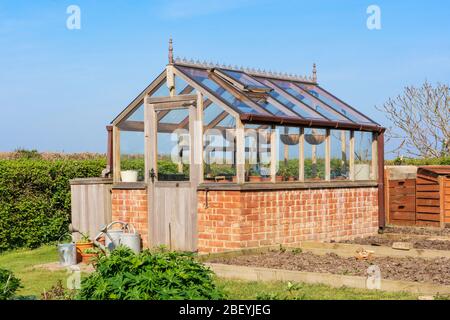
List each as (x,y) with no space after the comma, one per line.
(131,206)
(246,219)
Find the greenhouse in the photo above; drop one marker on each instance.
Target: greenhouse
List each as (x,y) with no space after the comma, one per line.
(218,158)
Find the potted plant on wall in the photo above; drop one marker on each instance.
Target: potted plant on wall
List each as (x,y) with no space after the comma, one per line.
(253,175)
(83,244)
(89,255)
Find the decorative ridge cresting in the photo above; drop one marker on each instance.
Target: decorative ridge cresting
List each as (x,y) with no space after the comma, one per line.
(250,71)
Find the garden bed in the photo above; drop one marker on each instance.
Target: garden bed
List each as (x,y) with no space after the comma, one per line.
(416,242)
(418,231)
(408,269)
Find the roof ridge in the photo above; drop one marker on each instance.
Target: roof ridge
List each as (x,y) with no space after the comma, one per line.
(251,71)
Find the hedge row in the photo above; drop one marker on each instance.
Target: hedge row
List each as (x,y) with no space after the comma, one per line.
(35,199)
(418,162)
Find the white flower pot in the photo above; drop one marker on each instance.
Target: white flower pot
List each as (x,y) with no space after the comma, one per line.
(362,171)
(129,176)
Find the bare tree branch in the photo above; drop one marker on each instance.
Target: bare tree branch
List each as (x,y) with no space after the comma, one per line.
(420,120)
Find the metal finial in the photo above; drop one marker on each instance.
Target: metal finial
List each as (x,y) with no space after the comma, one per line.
(314,73)
(170,51)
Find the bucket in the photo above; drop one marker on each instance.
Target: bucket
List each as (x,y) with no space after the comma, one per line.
(112,239)
(67,254)
(129,176)
(132,241)
(362,171)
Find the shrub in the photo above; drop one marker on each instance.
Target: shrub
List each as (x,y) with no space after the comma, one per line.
(150,275)
(8,284)
(35,198)
(418,162)
(58,292)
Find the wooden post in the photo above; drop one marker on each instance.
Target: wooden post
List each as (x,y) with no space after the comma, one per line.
(109,149)
(170,80)
(151,138)
(328,155)
(193,169)
(343,150)
(374,164)
(273,154)
(381,182)
(352,155)
(301,155)
(198,137)
(116,154)
(240,151)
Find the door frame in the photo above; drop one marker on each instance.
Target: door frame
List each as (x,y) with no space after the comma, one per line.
(151,106)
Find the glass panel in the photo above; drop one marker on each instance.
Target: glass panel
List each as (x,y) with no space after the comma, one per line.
(315,154)
(363,155)
(175,116)
(181,87)
(336,105)
(219,145)
(270,107)
(132,154)
(162,91)
(138,114)
(172,151)
(219,155)
(322,109)
(210,111)
(257,153)
(245,79)
(301,110)
(288,153)
(340,154)
(201,76)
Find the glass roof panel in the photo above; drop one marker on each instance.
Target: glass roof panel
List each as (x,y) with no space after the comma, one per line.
(321,108)
(201,76)
(245,79)
(303,111)
(335,104)
(211,112)
(228,122)
(271,108)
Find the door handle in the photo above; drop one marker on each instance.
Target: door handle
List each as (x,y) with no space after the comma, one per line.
(152,175)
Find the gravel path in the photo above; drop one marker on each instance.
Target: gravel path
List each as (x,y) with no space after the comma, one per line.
(410,269)
(418,231)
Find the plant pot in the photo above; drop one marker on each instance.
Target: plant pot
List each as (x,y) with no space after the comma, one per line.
(362,171)
(81,247)
(291,179)
(129,176)
(254,178)
(266,179)
(87,258)
(279,178)
(234,179)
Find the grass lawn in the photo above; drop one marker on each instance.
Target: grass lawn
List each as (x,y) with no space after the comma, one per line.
(36,280)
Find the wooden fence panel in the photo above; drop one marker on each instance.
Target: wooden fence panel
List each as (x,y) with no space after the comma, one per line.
(91,205)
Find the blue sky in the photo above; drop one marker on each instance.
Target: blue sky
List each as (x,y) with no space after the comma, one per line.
(60,87)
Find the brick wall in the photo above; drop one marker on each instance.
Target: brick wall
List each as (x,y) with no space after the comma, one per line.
(246,219)
(131,206)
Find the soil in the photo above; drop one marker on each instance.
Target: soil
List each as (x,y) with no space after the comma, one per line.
(410,269)
(418,231)
(417,243)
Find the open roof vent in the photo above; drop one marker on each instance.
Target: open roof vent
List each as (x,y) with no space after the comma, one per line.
(242,81)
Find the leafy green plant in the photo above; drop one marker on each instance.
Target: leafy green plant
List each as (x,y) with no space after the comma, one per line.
(92,251)
(84,238)
(150,275)
(8,284)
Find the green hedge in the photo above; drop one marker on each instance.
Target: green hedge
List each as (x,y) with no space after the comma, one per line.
(35,199)
(418,162)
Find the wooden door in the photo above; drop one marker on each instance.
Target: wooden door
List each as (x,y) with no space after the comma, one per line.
(172,202)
